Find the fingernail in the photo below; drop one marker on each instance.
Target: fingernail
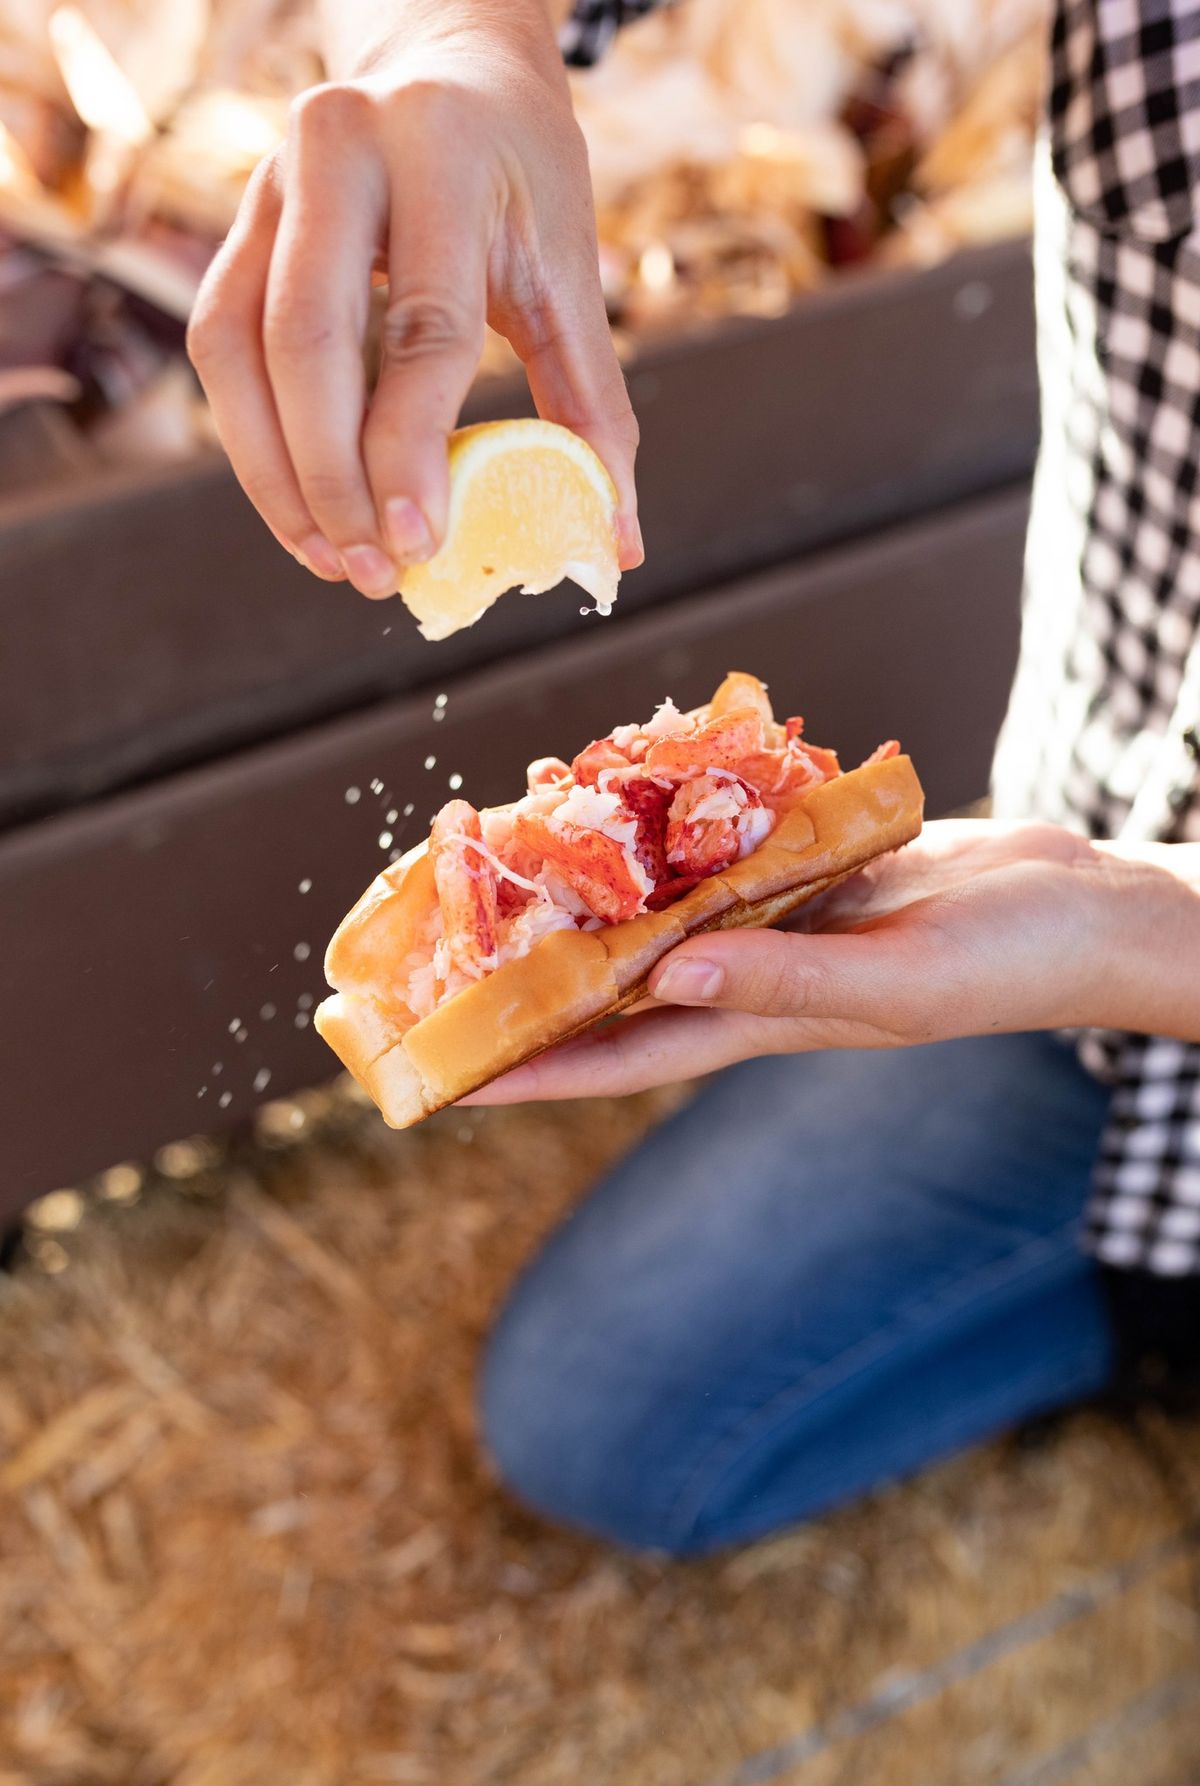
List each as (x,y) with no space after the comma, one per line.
(316,552)
(689,982)
(369,569)
(407,530)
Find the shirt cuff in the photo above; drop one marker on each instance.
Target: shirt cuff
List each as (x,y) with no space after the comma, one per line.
(592,25)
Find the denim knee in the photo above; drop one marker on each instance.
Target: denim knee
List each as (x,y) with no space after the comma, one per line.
(567,1442)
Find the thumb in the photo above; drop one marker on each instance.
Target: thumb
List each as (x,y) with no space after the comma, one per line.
(780,974)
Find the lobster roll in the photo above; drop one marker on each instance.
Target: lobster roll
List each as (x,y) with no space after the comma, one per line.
(514,928)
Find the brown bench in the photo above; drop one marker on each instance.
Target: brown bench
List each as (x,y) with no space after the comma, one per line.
(834,499)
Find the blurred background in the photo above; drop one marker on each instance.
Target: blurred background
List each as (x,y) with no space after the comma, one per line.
(247,1532)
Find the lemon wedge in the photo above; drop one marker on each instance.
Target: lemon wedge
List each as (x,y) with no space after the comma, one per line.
(530,504)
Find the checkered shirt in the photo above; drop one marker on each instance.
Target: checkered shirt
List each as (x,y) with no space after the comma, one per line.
(592,24)
(1101,732)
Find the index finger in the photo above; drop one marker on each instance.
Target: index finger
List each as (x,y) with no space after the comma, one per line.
(653,1048)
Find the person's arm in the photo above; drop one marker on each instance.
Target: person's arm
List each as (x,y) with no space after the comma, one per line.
(975,928)
(358,34)
(1152,905)
(445,152)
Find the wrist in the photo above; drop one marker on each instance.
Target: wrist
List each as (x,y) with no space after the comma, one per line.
(411,35)
(1148,905)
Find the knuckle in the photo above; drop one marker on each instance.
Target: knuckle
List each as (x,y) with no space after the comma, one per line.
(333,491)
(783,993)
(329,111)
(433,106)
(295,329)
(417,325)
(775,989)
(210,333)
(808,986)
(274,498)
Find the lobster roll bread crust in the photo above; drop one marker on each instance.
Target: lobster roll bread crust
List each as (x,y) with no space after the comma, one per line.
(574,978)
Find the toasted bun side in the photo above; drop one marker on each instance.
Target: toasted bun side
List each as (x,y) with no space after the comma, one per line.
(358,1029)
(573,979)
(367,1040)
(399,1090)
(566,983)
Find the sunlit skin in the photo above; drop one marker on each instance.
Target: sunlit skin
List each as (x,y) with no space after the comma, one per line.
(443,153)
(976,927)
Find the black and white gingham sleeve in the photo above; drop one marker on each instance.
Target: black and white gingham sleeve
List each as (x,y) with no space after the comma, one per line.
(1145,1207)
(593,24)
(1125,111)
(1102,728)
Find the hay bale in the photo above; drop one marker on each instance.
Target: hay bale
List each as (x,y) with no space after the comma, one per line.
(248,1535)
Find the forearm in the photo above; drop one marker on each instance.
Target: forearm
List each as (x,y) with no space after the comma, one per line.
(1150,963)
(358,35)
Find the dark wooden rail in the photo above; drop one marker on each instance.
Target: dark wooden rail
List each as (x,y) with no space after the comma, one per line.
(835,500)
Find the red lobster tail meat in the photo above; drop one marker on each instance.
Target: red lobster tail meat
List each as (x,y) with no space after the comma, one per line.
(592,864)
(648,801)
(714,820)
(591,763)
(720,743)
(466,889)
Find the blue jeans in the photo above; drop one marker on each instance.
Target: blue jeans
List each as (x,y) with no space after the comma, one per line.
(825,1272)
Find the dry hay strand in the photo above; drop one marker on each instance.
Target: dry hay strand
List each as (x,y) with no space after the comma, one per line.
(248,1534)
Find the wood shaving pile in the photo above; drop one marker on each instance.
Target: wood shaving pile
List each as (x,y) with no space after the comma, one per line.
(742,152)
(248,1537)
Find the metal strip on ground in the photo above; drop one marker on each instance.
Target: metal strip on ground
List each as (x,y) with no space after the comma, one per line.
(903,1692)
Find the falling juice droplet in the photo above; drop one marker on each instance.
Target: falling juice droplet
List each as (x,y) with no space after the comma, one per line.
(440,700)
(262,1079)
(217,1067)
(353,796)
(235,1026)
(456,781)
(225,1099)
(408,810)
(431,762)
(385,840)
(267,1012)
(438,713)
(202,1091)
(241,1035)
(301,1019)
(585,611)
(304,1002)
(306,885)
(302,952)
(377,786)
(391,815)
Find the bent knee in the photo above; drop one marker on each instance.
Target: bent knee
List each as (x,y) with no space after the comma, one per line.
(567,1442)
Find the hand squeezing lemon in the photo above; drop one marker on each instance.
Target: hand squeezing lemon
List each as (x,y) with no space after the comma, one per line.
(530,504)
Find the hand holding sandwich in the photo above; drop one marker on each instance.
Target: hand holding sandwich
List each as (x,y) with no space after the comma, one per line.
(515,927)
(975,927)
